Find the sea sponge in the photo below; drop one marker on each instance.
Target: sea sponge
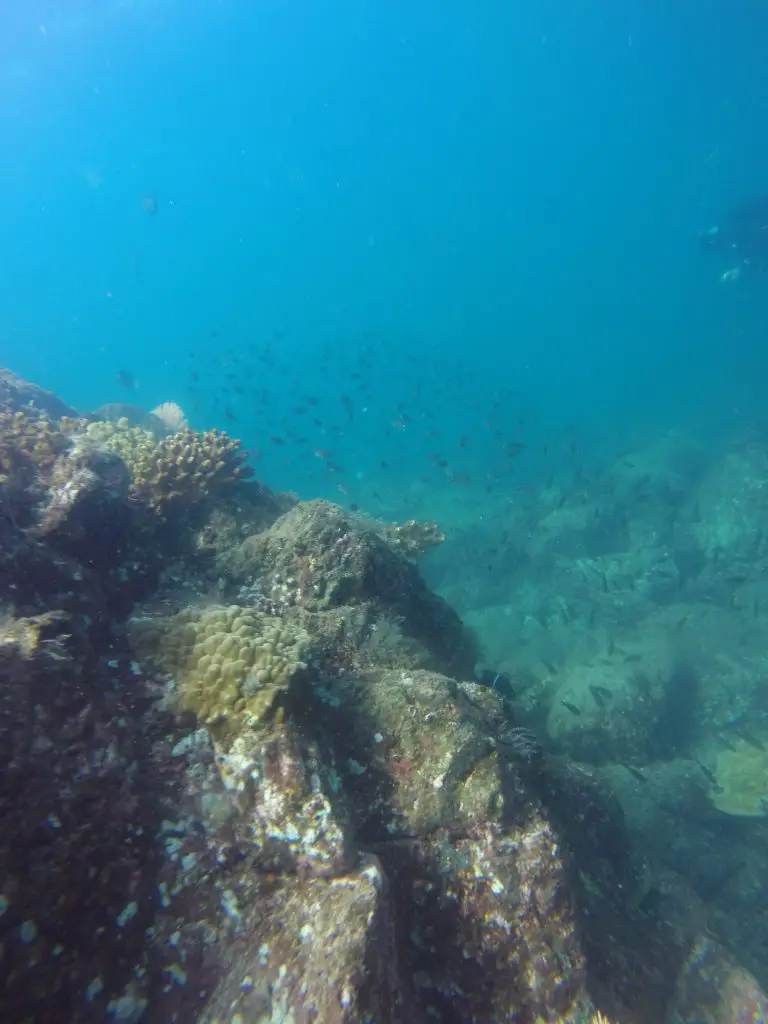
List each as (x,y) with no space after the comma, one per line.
(175,472)
(230,663)
(742,782)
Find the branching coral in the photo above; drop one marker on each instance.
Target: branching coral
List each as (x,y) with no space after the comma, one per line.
(174,473)
(231,663)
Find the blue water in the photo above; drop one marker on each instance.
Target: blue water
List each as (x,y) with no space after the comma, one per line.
(494,203)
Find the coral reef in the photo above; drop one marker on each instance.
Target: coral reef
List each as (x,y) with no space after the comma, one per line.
(224,801)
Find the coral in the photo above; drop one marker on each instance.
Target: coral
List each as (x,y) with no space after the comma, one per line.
(28,444)
(742,782)
(173,473)
(412,538)
(172,416)
(231,663)
(29,447)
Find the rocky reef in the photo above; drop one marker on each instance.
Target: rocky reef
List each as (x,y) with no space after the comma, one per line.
(248,774)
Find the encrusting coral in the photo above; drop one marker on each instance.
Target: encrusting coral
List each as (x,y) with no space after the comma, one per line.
(230,663)
(175,471)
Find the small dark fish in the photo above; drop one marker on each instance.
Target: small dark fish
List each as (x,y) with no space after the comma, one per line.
(749,739)
(633,657)
(571,707)
(642,682)
(708,775)
(276,440)
(636,772)
(127,379)
(499,682)
(611,647)
(601,694)
(682,621)
(726,742)
(551,668)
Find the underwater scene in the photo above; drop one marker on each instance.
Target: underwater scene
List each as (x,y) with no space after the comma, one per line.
(383,512)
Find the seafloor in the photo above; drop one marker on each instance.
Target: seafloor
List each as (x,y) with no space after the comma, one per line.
(248,774)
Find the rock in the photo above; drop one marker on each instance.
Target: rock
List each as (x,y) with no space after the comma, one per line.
(316,558)
(18,395)
(327,952)
(610,708)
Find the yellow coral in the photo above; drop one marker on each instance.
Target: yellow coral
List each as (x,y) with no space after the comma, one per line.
(230,663)
(176,471)
(742,782)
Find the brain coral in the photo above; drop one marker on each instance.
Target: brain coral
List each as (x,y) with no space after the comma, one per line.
(230,663)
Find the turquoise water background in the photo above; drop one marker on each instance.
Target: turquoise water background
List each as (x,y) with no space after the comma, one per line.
(496,204)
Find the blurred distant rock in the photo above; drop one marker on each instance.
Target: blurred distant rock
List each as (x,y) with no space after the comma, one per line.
(18,395)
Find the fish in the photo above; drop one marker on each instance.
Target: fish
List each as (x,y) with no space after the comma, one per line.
(636,772)
(708,775)
(499,682)
(600,694)
(571,707)
(149,205)
(127,380)
(749,739)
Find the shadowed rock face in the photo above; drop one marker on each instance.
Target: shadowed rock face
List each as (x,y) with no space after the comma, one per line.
(376,847)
